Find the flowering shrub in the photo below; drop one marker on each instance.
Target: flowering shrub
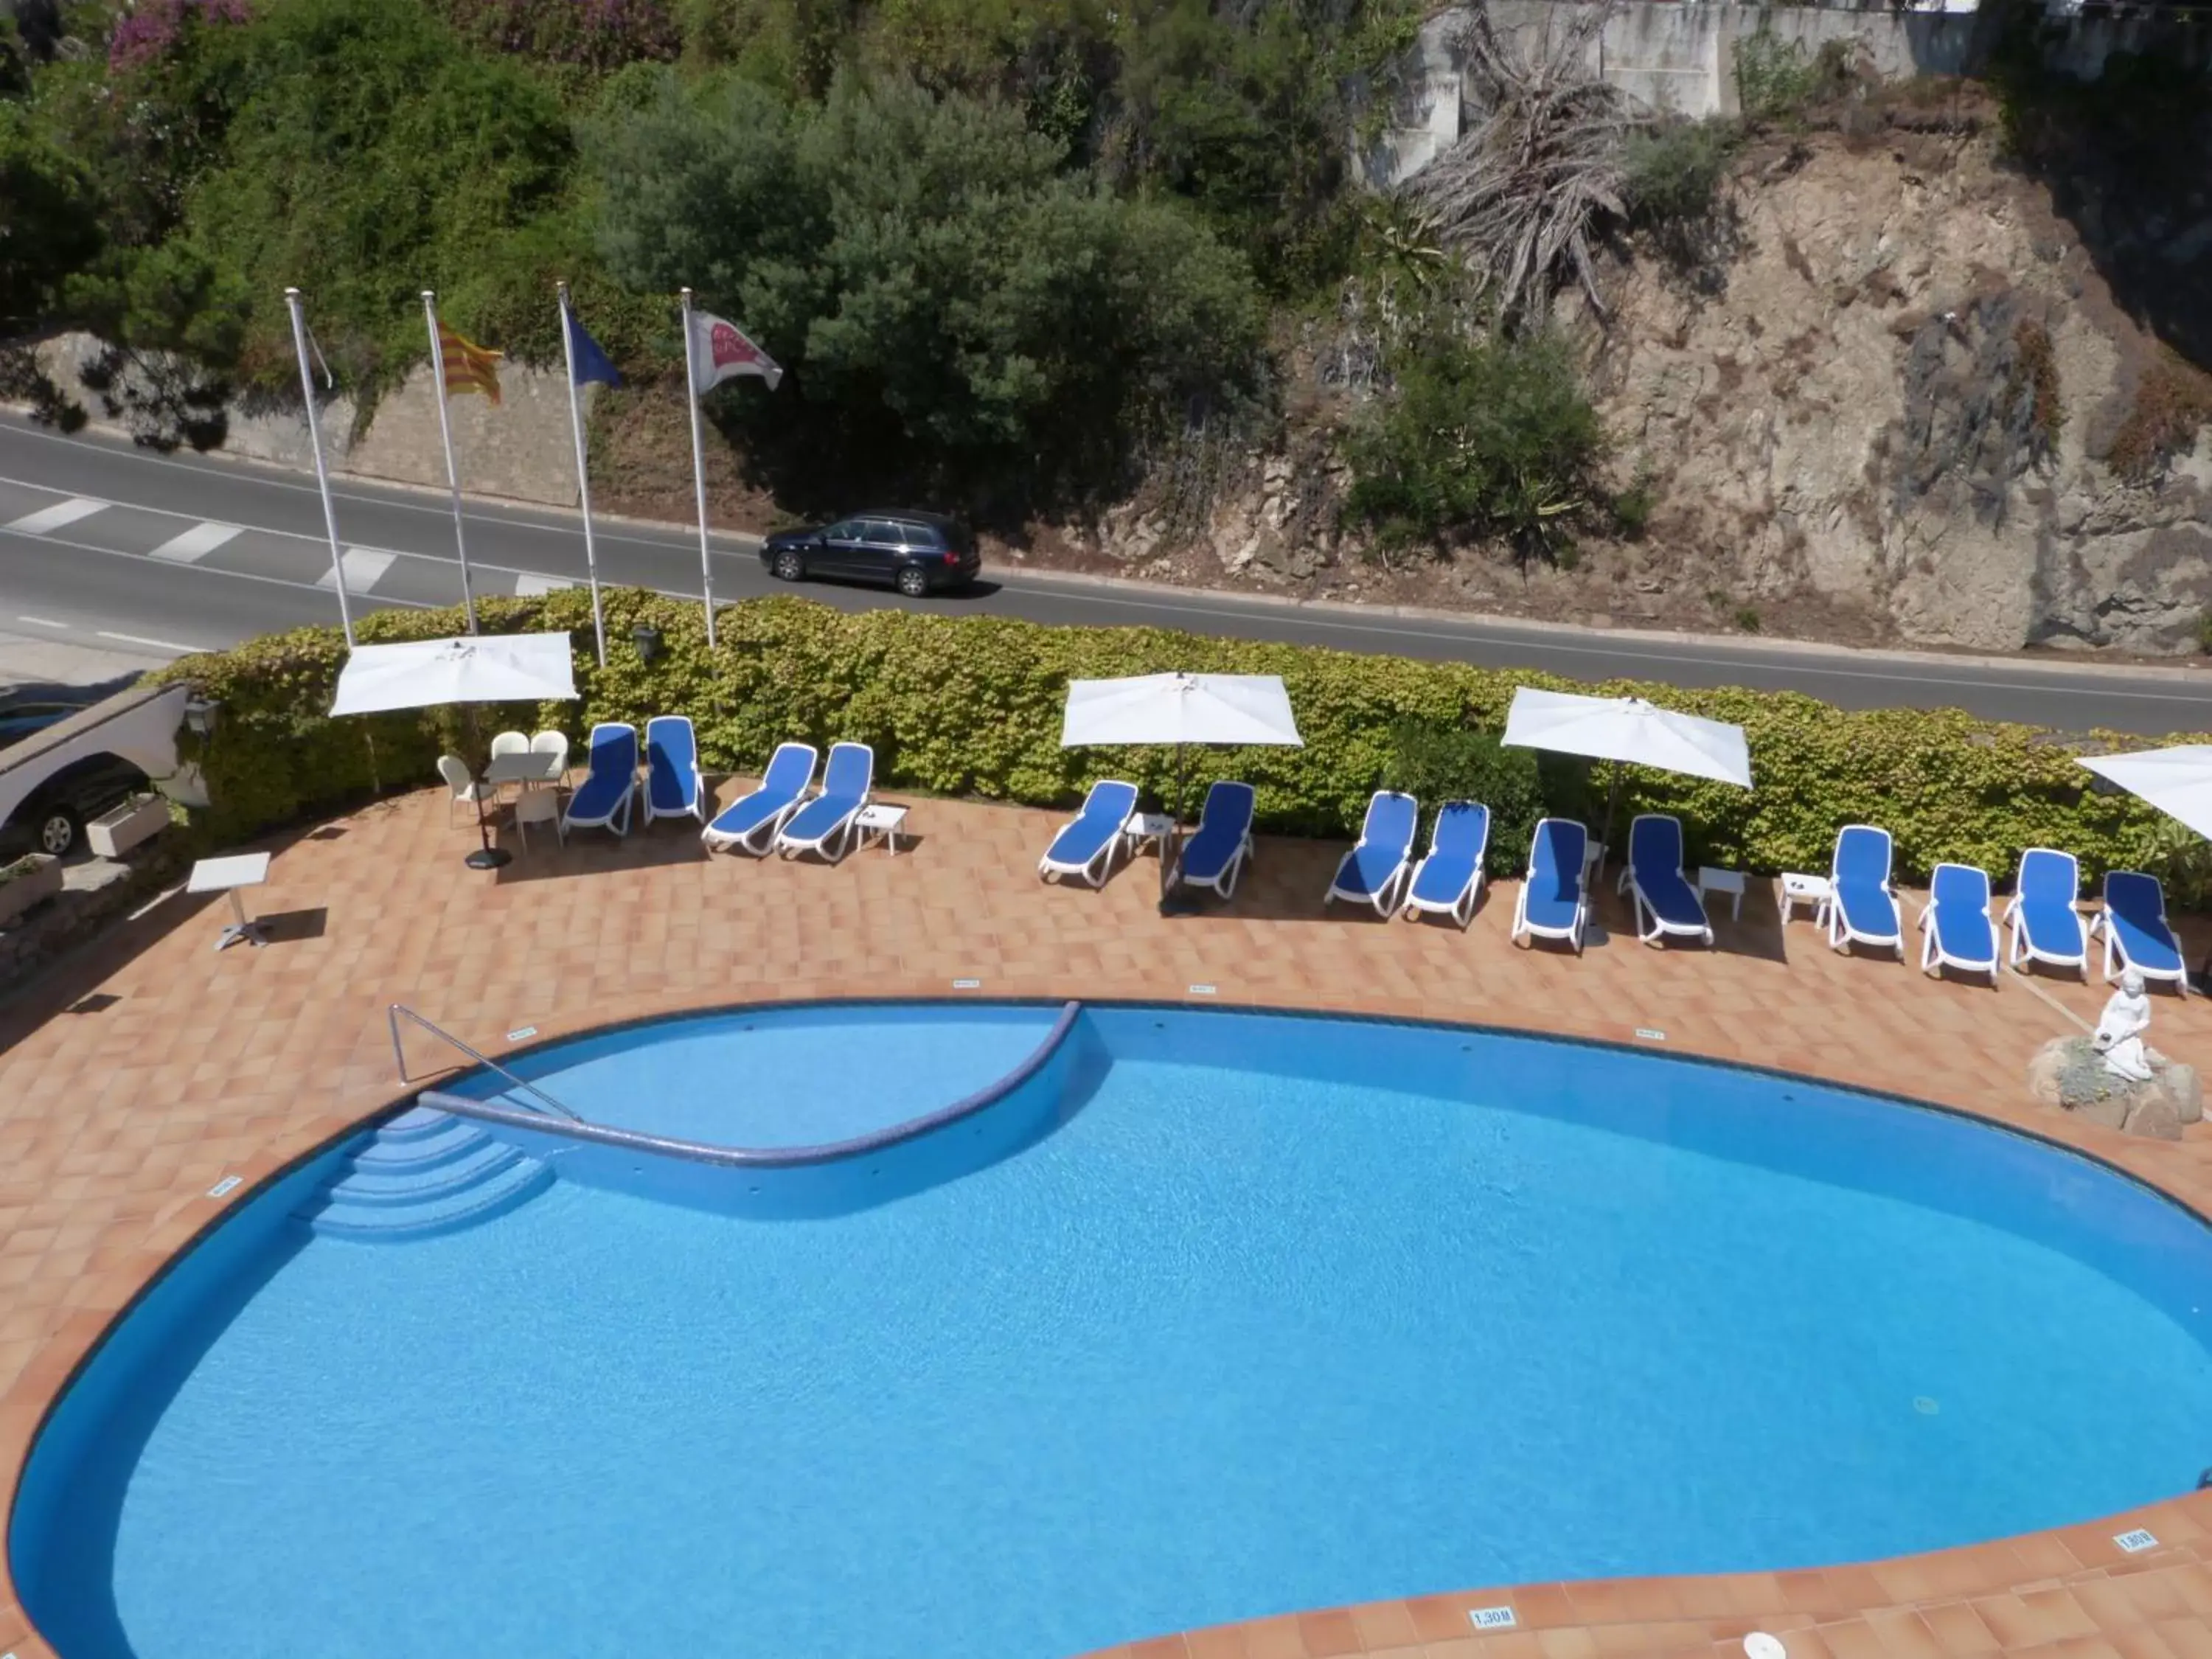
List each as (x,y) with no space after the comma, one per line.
(153,31)
(599,35)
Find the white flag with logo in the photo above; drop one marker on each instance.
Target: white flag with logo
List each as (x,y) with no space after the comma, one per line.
(721,351)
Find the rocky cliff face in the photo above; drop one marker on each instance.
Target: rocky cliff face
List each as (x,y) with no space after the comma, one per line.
(1887,412)
(1905,401)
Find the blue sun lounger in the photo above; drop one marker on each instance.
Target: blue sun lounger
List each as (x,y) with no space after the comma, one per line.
(1956,929)
(750,822)
(1555,902)
(1447,882)
(2045,926)
(1214,855)
(2136,934)
(1375,869)
(1085,846)
(1861,908)
(603,801)
(673,788)
(827,818)
(1666,906)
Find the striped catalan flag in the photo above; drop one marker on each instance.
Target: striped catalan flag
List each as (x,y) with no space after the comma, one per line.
(469,367)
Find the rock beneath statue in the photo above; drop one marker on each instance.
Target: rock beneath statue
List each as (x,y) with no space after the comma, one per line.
(2185,1090)
(2154,1117)
(2110,1113)
(2046,1071)
(2069,1073)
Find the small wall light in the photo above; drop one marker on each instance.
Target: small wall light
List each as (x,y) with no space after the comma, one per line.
(647,638)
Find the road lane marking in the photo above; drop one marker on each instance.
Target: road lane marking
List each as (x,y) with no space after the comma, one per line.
(195,543)
(43,621)
(155,645)
(384,600)
(361,566)
(60,516)
(527,586)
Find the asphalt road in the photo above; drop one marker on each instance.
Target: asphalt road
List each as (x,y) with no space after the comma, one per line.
(103,543)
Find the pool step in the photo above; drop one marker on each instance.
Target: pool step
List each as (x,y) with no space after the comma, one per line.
(425,1172)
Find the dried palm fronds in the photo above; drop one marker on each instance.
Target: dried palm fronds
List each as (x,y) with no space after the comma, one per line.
(1518,196)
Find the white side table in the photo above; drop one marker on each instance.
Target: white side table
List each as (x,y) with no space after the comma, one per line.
(1798,888)
(880,821)
(227,876)
(1713,879)
(1153,827)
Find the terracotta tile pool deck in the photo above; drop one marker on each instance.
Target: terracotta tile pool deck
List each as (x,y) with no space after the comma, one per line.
(148,1072)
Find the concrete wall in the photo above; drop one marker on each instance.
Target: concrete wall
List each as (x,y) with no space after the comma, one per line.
(522,450)
(1679,57)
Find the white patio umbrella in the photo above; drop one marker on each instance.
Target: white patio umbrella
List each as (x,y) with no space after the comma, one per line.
(1628,729)
(471,669)
(474,668)
(1238,709)
(2177,781)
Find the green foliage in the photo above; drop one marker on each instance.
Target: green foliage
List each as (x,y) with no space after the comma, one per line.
(1777,81)
(1673,171)
(1489,438)
(369,147)
(1246,122)
(1634,506)
(951,306)
(971,705)
(1434,764)
(48,223)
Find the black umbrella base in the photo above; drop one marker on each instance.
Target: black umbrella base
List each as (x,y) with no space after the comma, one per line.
(1178,903)
(488,857)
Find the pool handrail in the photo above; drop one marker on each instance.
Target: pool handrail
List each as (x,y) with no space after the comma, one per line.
(639,1140)
(399,1055)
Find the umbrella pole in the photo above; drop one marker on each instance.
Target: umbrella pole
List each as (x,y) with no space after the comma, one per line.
(487,856)
(1612,805)
(1174,902)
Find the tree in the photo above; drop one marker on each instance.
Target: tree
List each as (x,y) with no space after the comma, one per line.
(1492,437)
(49,221)
(955,310)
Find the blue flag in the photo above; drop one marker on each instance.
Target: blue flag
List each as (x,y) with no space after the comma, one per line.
(592,362)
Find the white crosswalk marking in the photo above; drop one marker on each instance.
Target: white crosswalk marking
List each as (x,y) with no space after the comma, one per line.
(528,587)
(195,543)
(363,567)
(48,519)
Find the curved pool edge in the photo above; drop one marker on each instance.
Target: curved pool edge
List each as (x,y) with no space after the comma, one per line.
(2026,1581)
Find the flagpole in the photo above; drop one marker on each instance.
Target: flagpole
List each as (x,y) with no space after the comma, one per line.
(446,431)
(583,474)
(698,470)
(322,473)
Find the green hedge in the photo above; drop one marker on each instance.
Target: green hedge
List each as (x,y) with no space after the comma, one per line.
(970,705)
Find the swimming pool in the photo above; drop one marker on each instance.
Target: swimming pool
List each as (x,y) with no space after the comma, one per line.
(1225,1315)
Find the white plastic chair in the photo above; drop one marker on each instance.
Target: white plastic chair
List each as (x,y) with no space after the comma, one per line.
(553,742)
(538,806)
(510,743)
(464,788)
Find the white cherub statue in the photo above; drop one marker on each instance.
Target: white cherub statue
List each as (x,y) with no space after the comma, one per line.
(2119,1036)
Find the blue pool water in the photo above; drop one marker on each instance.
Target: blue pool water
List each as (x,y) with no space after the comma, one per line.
(1271,1314)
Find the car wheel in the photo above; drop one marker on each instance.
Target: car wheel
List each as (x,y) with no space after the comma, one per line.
(787,566)
(58,831)
(913,581)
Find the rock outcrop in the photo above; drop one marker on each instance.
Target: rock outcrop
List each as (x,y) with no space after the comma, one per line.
(1904,399)
(2070,1076)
